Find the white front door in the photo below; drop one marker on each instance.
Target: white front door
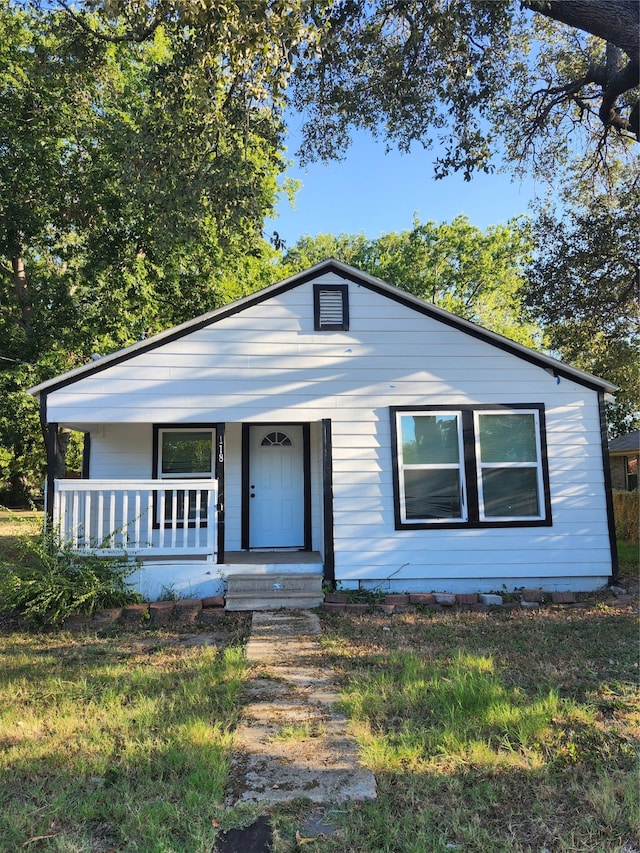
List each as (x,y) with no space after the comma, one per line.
(276,481)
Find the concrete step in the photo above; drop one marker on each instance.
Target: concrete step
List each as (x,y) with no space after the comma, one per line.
(273,591)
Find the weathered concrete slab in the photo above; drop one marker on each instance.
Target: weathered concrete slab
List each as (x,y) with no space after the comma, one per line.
(291,742)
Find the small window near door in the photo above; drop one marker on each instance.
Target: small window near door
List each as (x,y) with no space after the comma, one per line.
(185,454)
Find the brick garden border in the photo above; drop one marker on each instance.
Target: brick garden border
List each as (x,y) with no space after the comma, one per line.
(208,611)
(527,600)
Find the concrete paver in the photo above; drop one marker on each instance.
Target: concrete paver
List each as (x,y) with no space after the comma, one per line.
(291,741)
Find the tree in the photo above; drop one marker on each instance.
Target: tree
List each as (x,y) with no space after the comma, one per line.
(537,79)
(476,275)
(541,81)
(584,287)
(131,198)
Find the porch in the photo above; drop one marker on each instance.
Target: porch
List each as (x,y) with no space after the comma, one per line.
(171,528)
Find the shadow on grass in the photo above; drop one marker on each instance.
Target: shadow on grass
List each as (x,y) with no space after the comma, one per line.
(106,749)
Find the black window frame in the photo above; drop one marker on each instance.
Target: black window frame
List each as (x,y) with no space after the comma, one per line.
(217,459)
(471,468)
(343,290)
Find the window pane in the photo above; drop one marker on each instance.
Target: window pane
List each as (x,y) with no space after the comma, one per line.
(430,439)
(186,453)
(508,438)
(432,494)
(180,508)
(510,493)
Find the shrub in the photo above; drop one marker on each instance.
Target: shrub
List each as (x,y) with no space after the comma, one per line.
(626,510)
(53,582)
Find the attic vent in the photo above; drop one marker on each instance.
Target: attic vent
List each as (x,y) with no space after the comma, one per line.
(331,307)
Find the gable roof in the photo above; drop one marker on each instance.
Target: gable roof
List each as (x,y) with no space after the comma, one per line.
(629,443)
(349,273)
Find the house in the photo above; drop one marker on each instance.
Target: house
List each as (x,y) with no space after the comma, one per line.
(624,452)
(334,426)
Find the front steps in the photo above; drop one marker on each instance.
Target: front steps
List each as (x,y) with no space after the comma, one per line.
(273,591)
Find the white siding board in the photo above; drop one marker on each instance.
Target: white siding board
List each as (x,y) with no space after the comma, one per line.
(233,486)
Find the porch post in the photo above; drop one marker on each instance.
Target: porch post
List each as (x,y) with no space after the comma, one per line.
(606,470)
(86,456)
(219,473)
(327,502)
(52,451)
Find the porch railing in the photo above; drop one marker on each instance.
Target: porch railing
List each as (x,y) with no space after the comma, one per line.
(137,517)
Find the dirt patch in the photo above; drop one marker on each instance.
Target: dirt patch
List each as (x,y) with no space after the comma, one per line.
(256,838)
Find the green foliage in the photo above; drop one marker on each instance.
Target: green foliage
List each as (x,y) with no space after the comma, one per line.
(583,288)
(52,583)
(629,555)
(533,82)
(21,446)
(134,182)
(456,266)
(484,80)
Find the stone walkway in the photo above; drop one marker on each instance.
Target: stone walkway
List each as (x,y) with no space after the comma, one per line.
(291,742)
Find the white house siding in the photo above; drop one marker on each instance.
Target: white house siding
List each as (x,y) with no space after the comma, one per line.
(265,363)
(121,452)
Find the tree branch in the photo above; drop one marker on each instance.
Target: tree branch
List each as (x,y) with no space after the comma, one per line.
(618,23)
(625,79)
(130,36)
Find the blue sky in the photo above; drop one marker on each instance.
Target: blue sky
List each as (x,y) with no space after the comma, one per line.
(373,193)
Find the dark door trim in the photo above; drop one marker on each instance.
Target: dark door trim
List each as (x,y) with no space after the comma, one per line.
(306,465)
(327,502)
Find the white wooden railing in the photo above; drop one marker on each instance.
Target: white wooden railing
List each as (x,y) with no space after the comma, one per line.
(137,517)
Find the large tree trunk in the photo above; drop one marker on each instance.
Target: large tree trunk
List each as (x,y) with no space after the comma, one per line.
(22,292)
(615,21)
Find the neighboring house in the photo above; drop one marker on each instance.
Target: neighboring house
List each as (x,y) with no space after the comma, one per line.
(334,424)
(624,452)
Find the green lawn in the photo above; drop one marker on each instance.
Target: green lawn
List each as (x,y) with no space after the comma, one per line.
(487,732)
(118,742)
(513,732)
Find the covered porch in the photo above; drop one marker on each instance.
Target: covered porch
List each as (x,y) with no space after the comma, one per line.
(174,530)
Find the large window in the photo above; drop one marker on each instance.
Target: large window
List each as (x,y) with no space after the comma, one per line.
(481,466)
(185,454)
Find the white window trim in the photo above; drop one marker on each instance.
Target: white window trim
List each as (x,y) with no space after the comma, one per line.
(402,467)
(471,468)
(482,466)
(194,475)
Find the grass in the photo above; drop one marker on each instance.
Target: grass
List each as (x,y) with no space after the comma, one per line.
(505,732)
(16,526)
(628,555)
(115,742)
(487,732)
